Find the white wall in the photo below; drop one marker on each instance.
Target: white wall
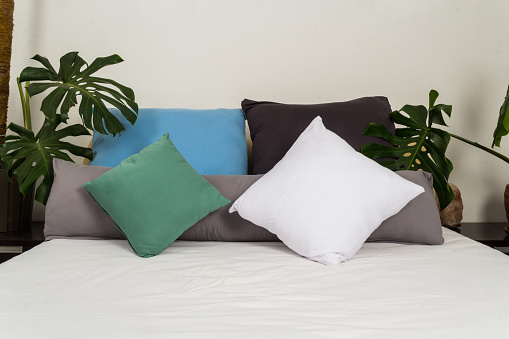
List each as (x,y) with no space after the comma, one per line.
(214,53)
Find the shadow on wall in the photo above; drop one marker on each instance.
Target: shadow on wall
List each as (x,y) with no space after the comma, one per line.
(37,27)
(467,120)
(493,207)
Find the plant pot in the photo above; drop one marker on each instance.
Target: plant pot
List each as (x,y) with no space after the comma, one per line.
(452,215)
(506,201)
(15,211)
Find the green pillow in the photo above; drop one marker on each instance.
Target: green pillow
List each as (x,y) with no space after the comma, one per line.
(154,196)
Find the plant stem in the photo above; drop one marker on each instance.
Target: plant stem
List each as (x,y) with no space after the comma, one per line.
(28,112)
(484,148)
(25,105)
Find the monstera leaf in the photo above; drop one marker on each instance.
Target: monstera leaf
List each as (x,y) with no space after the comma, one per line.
(30,156)
(502,128)
(419,145)
(74,80)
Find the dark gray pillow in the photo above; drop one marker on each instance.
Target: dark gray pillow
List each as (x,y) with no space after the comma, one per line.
(274,127)
(419,221)
(72,213)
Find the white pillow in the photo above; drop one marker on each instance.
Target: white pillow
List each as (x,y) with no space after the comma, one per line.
(323,199)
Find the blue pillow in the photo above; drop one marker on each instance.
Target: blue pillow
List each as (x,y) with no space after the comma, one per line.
(212,141)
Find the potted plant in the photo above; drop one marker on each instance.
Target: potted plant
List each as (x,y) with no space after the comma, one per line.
(422,146)
(28,156)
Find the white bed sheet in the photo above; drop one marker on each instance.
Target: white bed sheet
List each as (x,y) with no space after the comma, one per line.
(100,289)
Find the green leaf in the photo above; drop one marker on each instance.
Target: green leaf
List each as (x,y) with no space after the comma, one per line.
(502,128)
(436,111)
(50,103)
(70,64)
(419,146)
(74,84)
(45,62)
(37,74)
(101,62)
(36,88)
(433,95)
(31,157)
(415,116)
(125,90)
(436,116)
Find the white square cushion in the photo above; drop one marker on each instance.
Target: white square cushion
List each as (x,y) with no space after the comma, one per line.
(323,199)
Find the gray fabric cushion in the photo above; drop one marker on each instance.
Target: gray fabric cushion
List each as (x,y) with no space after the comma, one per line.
(419,221)
(223,226)
(72,213)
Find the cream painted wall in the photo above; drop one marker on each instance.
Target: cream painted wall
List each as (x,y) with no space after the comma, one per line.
(214,53)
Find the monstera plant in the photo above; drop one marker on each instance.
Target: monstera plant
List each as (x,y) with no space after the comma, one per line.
(502,128)
(420,145)
(28,155)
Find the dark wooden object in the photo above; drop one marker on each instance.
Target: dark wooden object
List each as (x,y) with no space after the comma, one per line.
(20,241)
(15,211)
(489,233)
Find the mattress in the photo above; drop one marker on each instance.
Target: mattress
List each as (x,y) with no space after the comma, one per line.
(101,289)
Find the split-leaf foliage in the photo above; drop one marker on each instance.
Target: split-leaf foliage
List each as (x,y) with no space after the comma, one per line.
(29,156)
(418,144)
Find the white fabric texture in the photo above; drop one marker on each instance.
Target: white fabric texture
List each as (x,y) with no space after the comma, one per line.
(324,199)
(84,289)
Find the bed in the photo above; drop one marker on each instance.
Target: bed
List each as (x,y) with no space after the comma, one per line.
(227,277)
(98,289)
